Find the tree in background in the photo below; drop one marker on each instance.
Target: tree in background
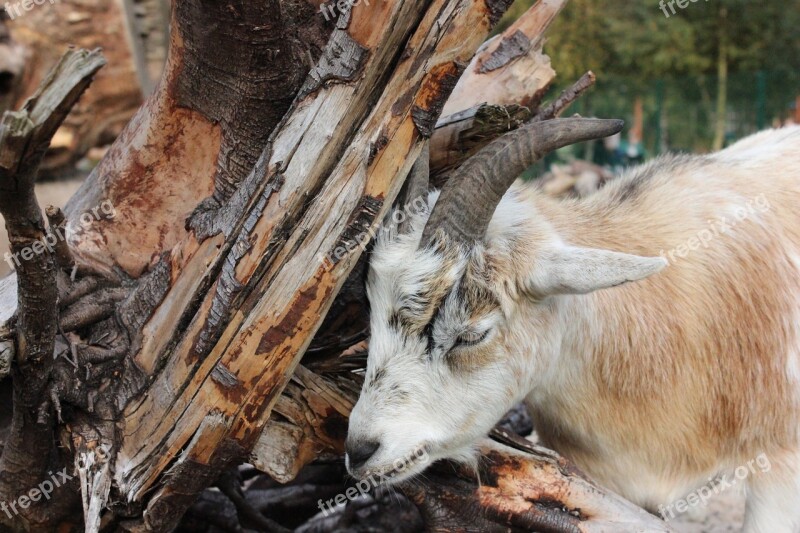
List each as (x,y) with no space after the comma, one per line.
(633,44)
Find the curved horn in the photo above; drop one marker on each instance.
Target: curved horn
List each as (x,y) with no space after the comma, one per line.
(468,200)
(416,185)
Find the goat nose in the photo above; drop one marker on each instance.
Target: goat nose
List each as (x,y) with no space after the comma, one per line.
(360,452)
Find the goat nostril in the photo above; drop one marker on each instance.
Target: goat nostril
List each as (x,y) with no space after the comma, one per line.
(360,452)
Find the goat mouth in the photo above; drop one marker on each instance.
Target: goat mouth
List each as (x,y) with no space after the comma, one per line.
(399,472)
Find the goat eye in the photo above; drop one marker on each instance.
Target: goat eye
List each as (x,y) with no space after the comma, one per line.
(471,338)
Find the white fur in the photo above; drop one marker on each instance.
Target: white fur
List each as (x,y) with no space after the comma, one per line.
(652,387)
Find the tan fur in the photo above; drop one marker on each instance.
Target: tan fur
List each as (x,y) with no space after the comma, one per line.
(653,380)
(706,340)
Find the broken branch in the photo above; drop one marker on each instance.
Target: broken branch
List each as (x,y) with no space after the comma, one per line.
(24,137)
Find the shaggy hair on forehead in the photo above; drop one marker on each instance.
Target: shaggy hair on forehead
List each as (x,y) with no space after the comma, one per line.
(413,284)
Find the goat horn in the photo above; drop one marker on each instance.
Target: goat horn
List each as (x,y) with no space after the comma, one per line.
(416,185)
(468,200)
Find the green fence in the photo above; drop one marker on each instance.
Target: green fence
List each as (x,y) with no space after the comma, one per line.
(679,113)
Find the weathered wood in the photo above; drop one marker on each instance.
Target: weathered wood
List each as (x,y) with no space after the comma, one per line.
(24,138)
(213,129)
(460,135)
(57,223)
(309,420)
(510,68)
(297,285)
(523,488)
(455,138)
(93,463)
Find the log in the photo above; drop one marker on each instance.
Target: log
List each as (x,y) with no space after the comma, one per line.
(311,421)
(511,67)
(298,284)
(523,488)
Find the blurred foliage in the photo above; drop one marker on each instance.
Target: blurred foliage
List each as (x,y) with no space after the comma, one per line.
(636,38)
(673,63)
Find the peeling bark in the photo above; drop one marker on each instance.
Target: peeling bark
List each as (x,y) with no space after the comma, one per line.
(196,137)
(287,274)
(501,73)
(524,488)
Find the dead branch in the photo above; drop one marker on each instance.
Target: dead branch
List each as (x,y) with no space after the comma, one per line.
(567,97)
(58,223)
(528,489)
(93,308)
(24,138)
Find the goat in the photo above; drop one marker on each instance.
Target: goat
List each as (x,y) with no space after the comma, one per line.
(652,328)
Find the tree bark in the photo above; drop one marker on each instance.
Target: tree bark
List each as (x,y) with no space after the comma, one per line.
(24,139)
(524,488)
(510,68)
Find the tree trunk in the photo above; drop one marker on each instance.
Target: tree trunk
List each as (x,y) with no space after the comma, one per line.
(720,117)
(209,244)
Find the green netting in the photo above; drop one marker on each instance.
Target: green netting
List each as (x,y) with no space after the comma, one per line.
(680,112)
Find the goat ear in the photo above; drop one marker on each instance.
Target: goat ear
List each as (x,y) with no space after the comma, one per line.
(573,270)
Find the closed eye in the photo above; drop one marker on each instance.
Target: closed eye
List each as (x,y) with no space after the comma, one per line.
(471,338)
